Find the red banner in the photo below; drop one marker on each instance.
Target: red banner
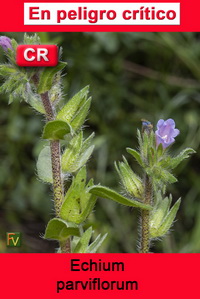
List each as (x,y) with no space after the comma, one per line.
(182,15)
(99,275)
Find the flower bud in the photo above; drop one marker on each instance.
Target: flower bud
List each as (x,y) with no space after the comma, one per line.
(132,182)
(5,43)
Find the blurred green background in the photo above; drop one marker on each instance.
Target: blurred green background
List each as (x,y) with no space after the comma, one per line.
(131,76)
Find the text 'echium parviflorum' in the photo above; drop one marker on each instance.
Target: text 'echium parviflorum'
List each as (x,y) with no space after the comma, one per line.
(62,161)
(148,192)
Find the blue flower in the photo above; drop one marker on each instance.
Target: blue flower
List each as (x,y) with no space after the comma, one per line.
(5,43)
(166,132)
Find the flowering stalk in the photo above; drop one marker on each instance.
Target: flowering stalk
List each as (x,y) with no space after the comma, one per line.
(148,194)
(42,90)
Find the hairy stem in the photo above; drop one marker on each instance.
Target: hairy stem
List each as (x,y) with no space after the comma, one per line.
(58,188)
(65,246)
(57,179)
(148,194)
(145,217)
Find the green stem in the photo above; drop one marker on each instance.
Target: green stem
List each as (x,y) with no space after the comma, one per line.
(145,217)
(58,188)
(148,194)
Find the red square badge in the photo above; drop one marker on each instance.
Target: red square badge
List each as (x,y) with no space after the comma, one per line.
(37,55)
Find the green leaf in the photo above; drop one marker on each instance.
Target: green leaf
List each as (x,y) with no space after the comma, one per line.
(81,115)
(160,150)
(71,154)
(55,94)
(169,219)
(11,55)
(68,112)
(132,182)
(36,103)
(7,70)
(87,202)
(82,245)
(44,165)
(84,157)
(78,201)
(31,39)
(105,192)
(47,76)
(14,44)
(57,229)
(159,173)
(56,130)
(139,139)
(87,142)
(12,83)
(159,213)
(174,162)
(70,208)
(76,154)
(136,155)
(96,244)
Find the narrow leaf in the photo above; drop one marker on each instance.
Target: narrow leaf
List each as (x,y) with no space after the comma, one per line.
(159,213)
(68,112)
(87,142)
(71,154)
(36,103)
(7,70)
(169,219)
(136,155)
(82,245)
(174,162)
(80,117)
(47,76)
(85,156)
(96,244)
(107,193)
